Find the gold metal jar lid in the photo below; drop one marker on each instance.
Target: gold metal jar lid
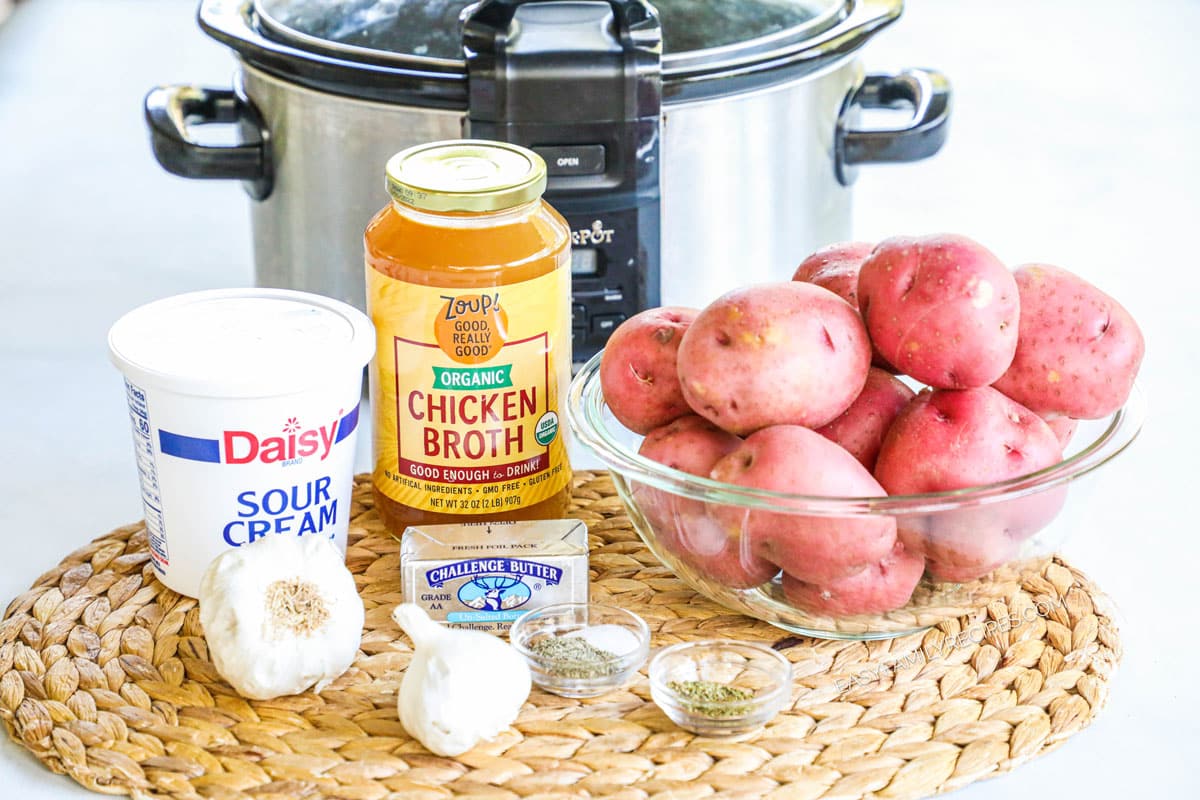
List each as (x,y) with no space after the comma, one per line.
(466,175)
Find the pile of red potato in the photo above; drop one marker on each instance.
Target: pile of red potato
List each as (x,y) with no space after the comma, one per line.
(792,387)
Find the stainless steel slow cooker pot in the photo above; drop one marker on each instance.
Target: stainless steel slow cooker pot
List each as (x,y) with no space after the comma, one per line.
(693,145)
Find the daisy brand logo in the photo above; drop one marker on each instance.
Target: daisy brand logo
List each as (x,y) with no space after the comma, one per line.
(292,442)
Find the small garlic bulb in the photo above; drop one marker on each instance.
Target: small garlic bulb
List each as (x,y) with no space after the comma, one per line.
(280,615)
(461,687)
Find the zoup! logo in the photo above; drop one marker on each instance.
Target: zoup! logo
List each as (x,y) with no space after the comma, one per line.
(494,593)
(244,447)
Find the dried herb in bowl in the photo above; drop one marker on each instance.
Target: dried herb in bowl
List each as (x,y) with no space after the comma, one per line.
(574,657)
(711,699)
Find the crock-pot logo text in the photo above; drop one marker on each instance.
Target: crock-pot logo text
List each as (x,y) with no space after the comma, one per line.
(291,445)
(597,234)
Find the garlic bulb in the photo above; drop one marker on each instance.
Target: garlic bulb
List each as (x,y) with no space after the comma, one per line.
(461,687)
(280,615)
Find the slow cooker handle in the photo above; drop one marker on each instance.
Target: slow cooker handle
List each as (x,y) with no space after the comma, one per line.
(634,16)
(171,109)
(927,91)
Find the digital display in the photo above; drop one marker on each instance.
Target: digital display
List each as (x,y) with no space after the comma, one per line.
(584,261)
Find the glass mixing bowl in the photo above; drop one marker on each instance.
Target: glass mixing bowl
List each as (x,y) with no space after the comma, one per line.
(979,543)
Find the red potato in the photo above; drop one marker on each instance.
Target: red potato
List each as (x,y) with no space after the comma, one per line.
(774,354)
(957,570)
(661,512)
(861,428)
(1064,429)
(638,373)
(966,543)
(959,545)
(815,549)
(836,268)
(877,589)
(692,444)
(942,309)
(1079,350)
(689,444)
(946,440)
(717,553)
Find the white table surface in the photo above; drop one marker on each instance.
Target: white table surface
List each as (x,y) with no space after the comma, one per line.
(1074,141)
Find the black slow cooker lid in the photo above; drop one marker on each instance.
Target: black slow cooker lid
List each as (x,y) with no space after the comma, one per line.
(430,31)
(410,51)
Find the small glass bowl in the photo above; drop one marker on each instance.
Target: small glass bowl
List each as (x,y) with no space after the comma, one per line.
(580,678)
(743,665)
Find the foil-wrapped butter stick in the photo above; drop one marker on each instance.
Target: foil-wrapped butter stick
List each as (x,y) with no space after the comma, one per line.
(485,575)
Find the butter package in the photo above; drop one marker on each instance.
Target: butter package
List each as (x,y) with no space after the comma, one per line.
(485,575)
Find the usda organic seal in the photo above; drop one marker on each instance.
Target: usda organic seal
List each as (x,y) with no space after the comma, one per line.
(546,429)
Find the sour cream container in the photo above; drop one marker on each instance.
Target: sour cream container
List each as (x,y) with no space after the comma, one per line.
(244,405)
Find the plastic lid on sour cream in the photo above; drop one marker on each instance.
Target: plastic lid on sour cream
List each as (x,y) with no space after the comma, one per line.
(240,342)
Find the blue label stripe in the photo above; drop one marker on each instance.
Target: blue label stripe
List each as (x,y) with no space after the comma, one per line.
(347,425)
(189,447)
(485,616)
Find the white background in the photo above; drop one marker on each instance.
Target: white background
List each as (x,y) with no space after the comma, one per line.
(1074,141)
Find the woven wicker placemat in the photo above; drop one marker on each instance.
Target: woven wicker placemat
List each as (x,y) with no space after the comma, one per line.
(104,676)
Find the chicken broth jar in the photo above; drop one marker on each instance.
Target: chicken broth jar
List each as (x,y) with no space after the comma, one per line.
(468,284)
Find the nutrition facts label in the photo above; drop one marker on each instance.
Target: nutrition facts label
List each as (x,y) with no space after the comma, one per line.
(143,447)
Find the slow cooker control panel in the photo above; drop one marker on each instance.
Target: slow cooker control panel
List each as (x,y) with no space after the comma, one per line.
(608,276)
(580,84)
(579,159)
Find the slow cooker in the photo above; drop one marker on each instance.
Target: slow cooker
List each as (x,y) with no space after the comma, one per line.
(692,145)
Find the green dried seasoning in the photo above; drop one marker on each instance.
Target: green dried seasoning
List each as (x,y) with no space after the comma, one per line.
(575,657)
(713,700)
